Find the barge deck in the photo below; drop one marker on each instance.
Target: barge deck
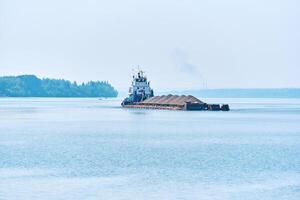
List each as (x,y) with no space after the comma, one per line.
(175,102)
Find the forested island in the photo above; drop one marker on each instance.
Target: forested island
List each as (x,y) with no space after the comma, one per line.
(32,86)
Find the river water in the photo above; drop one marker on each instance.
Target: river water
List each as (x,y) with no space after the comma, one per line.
(93,149)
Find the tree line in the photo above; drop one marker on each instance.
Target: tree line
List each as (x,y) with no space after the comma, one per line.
(32,86)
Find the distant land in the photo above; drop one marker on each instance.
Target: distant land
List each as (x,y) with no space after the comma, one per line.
(243,93)
(32,86)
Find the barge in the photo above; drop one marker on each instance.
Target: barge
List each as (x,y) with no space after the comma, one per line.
(142,96)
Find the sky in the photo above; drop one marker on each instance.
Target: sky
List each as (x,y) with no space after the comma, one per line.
(181,44)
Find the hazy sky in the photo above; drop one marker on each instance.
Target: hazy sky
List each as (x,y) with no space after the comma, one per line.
(179,43)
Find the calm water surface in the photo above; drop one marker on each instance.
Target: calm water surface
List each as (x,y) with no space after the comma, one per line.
(93,149)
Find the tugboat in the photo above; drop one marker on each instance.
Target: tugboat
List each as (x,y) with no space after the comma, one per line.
(142,96)
(140,89)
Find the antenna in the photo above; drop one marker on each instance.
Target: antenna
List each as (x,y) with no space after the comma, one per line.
(133,72)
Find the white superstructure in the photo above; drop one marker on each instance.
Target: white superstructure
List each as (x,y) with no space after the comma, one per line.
(140,88)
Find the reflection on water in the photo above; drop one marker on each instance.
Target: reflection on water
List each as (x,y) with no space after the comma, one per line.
(93,149)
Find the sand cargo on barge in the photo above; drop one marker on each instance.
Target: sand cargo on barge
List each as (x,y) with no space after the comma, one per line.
(142,96)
